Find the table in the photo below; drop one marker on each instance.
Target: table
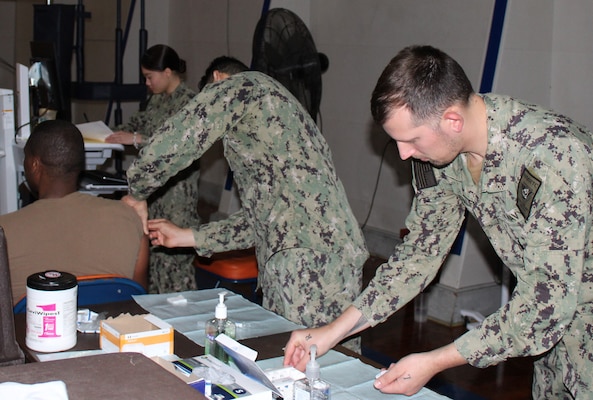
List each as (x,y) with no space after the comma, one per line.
(105,376)
(183,347)
(122,375)
(268,347)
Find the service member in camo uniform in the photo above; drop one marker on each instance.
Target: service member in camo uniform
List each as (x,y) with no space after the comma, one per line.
(525,173)
(309,247)
(170,270)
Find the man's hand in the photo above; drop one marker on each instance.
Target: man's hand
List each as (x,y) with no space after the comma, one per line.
(296,351)
(163,232)
(412,372)
(407,376)
(141,209)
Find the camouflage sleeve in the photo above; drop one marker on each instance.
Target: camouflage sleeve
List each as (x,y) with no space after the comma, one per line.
(434,222)
(545,298)
(184,137)
(135,124)
(232,233)
(137,121)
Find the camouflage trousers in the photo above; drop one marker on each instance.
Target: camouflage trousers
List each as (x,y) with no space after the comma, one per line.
(171,270)
(311,288)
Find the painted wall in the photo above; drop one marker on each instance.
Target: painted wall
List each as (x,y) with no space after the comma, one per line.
(546,57)
(7,45)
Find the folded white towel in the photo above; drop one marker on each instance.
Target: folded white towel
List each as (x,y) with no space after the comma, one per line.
(54,390)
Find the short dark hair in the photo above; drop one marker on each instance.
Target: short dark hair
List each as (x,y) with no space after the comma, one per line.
(225,64)
(160,57)
(425,80)
(59,145)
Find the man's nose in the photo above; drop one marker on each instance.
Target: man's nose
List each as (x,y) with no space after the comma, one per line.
(405,150)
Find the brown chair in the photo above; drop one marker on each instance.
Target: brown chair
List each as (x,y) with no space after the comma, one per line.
(229,269)
(10,352)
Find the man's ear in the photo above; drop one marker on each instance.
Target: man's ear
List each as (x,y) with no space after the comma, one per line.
(453,119)
(219,76)
(35,165)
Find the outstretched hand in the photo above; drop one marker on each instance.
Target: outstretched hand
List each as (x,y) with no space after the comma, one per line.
(120,137)
(412,372)
(296,351)
(163,232)
(407,376)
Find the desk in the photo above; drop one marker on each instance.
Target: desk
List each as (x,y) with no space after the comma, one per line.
(268,347)
(121,375)
(98,152)
(105,376)
(183,347)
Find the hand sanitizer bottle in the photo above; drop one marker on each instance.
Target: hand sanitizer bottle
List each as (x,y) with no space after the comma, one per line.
(214,327)
(312,387)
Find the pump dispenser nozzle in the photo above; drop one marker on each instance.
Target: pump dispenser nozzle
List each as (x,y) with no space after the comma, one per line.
(214,327)
(312,387)
(312,369)
(220,312)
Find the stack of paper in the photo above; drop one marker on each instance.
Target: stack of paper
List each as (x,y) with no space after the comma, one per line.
(95,131)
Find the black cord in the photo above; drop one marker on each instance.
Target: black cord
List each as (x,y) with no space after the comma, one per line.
(16,132)
(377,183)
(32,121)
(8,65)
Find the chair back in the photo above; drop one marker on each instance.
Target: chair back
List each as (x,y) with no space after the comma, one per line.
(10,352)
(99,289)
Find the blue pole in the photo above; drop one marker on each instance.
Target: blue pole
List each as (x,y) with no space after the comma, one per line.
(492,51)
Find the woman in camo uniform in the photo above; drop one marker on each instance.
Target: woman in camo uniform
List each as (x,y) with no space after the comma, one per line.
(170,270)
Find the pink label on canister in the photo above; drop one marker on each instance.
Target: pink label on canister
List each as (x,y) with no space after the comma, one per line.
(49,321)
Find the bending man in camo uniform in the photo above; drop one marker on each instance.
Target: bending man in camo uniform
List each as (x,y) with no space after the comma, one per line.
(526,174)
(309,247)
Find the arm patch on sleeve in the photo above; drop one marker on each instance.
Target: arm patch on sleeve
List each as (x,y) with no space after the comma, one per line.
(528,186)
(424,174)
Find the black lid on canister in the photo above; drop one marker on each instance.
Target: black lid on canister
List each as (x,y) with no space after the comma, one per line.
(51,280)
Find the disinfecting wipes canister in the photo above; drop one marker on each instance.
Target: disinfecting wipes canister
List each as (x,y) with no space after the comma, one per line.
(51,311)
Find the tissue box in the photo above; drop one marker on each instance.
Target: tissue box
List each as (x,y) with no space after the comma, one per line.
(144,334)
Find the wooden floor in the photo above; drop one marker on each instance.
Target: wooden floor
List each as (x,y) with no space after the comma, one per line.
(400,335)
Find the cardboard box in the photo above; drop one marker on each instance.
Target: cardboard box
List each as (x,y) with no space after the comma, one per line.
(144,334)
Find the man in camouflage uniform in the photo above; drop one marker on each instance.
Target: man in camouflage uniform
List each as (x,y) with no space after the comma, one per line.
(525,173)
(309,247)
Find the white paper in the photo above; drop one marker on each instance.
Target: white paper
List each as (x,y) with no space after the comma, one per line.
(351,379)
(96,130)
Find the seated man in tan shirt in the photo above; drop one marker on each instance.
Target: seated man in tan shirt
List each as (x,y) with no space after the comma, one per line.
(64,229)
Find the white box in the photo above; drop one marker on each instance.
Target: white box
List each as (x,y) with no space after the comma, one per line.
(284,379)
(146,334)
